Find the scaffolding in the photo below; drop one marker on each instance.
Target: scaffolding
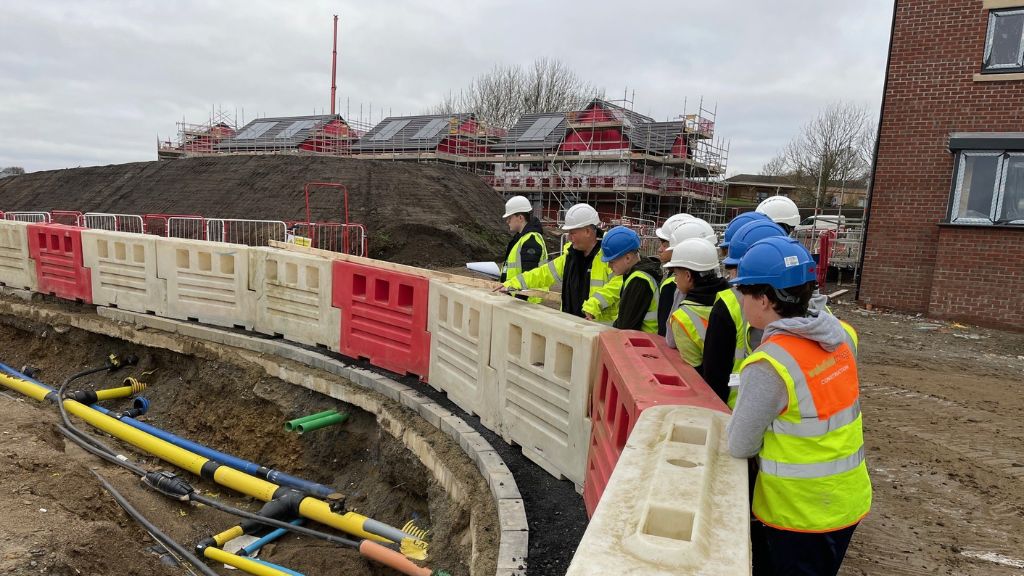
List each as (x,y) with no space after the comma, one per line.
(630,167)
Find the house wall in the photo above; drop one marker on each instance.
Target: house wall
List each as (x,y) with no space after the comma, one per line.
(912,261)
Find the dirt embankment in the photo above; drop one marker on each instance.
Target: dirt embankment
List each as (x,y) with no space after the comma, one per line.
(57,519)
(420,214)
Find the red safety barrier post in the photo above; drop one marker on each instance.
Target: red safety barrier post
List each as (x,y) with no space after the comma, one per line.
(57,250)
(383,317)
(636,370)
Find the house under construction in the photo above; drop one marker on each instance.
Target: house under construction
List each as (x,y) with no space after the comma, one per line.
(633,169)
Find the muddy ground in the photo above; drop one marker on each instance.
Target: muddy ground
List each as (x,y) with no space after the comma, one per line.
(943,409)
(415,213)
(57,520)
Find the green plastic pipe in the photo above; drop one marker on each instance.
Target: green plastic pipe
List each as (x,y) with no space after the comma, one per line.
(321,422)
(292,424)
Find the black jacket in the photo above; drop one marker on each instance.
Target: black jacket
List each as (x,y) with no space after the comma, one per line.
(636,296)
(719,350)
(576,278)
(532,250)
(668,293)
(705,296)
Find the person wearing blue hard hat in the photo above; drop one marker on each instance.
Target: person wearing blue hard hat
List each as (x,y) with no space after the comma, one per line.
(729,336)
(638,299)
(736,223)
(798,414)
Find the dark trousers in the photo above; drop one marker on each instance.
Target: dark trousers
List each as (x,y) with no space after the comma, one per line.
(784,553)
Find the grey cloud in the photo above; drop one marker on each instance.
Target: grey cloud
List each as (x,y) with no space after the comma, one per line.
(91,82)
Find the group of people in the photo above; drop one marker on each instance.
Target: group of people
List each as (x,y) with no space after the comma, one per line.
(746,314)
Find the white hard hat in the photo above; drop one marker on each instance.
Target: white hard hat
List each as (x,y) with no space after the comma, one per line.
(780,209)
(693,228)
(694,254)
(580,215)
(665,232)
(517,205)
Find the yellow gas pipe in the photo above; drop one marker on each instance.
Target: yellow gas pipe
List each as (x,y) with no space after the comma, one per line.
(309,507)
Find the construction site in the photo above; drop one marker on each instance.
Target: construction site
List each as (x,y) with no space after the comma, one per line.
(265,352)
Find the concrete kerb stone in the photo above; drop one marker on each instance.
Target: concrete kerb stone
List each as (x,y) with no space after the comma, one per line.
(514,540)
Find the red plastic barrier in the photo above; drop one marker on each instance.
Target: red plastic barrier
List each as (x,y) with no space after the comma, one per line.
(383,317)
(57,250)
(637,371)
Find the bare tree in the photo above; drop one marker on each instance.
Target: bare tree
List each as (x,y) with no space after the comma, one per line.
(834,147)
(500,97)
(775,167)
(12,171)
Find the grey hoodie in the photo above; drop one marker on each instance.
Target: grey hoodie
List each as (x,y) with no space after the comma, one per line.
(763,393)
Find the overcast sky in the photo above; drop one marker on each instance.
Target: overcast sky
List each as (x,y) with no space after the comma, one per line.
(89,83)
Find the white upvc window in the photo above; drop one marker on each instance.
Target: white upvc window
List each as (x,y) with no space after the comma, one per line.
(989,188)
(1004,42)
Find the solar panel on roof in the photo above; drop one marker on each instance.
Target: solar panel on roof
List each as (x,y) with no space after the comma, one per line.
(254,131)
(390,130)
(540,129)
(294,128)
(431,129)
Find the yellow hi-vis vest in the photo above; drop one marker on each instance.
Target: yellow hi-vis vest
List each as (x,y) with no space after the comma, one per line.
(650,324)
(692,319)
(514,264)
(605,286)
(731,298)
(813,477)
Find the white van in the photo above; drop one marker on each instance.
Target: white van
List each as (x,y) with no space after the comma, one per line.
(822,222)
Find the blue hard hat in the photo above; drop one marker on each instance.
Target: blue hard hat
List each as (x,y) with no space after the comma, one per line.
(779,261)
(738,222)
(747,235)
(618,242)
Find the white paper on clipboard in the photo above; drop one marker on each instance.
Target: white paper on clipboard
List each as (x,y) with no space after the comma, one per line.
(489,269)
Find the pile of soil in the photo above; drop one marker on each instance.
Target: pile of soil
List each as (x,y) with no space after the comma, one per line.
(234,409)
(422,214)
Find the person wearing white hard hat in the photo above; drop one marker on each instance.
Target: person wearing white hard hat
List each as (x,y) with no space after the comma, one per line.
(695,265)
(667,290)
(526,249)
(691,227)
(782,211)
(589,287)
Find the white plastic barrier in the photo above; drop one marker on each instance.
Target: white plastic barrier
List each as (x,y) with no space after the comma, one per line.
(124,271)
(460,325)
(676,503)
(545,362)
(207,281)
(17,269)
(293,297)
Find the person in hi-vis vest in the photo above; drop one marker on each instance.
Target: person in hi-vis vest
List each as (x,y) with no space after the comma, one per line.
(526,249)
(798,414)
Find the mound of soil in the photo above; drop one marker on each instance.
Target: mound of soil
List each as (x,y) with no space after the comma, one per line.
(420,214)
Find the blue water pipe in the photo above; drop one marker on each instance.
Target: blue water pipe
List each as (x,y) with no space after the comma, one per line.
(270,537)
(275,476)
(277,567)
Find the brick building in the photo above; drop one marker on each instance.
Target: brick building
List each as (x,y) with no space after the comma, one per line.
(945,231)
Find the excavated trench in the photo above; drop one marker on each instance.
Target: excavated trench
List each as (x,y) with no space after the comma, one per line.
(216,398)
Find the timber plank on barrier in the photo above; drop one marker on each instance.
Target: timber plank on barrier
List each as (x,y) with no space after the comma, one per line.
(383,317)
(460,324)
(207,281)
(57,251)
(545,361)
(636,371)
(677,502)
(124,271)
(17,268)
(293,297)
